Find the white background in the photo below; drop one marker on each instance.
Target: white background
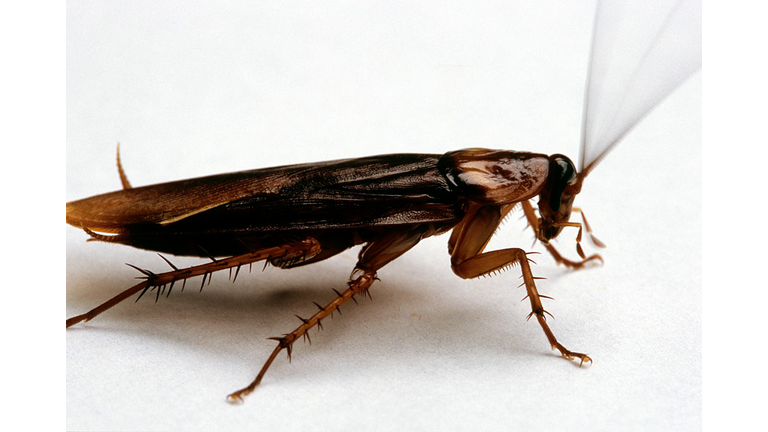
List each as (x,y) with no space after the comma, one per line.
(201,89)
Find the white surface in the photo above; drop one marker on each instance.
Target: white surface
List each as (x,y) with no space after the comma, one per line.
(203,89)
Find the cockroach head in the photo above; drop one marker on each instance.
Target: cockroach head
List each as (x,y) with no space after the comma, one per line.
(556,198)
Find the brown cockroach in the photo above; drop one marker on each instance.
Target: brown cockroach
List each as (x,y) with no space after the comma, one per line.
(295,215)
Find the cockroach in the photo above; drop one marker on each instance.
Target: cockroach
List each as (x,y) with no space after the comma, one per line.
(295,215)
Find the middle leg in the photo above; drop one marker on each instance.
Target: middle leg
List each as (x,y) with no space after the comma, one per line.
(373,256)
(469,261)
(357,286)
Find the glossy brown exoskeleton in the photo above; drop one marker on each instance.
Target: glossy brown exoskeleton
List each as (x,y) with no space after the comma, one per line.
(296,215)
(300,214)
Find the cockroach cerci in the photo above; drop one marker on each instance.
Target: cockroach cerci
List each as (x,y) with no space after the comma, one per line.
(296,215)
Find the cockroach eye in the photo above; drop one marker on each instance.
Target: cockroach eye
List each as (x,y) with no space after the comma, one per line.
(562,172)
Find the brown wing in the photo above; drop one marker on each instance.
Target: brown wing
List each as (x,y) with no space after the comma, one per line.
(378,190)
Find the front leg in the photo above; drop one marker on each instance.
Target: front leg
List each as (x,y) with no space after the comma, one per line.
(533,221)
(469,261)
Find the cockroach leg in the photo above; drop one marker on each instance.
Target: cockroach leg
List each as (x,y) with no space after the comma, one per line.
(592,237)
(304,249)
(374,255)
(489,262)
(469,261)
(538,309)
(358,286)
(575,265)
(533,221)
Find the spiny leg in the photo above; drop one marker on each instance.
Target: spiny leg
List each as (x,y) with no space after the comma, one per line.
(469,261)
(292,251)
(357,286)
(489,262)
(374,255)
(538,309)
(533,221)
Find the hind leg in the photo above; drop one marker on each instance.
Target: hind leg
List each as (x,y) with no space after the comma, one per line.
(292,251)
